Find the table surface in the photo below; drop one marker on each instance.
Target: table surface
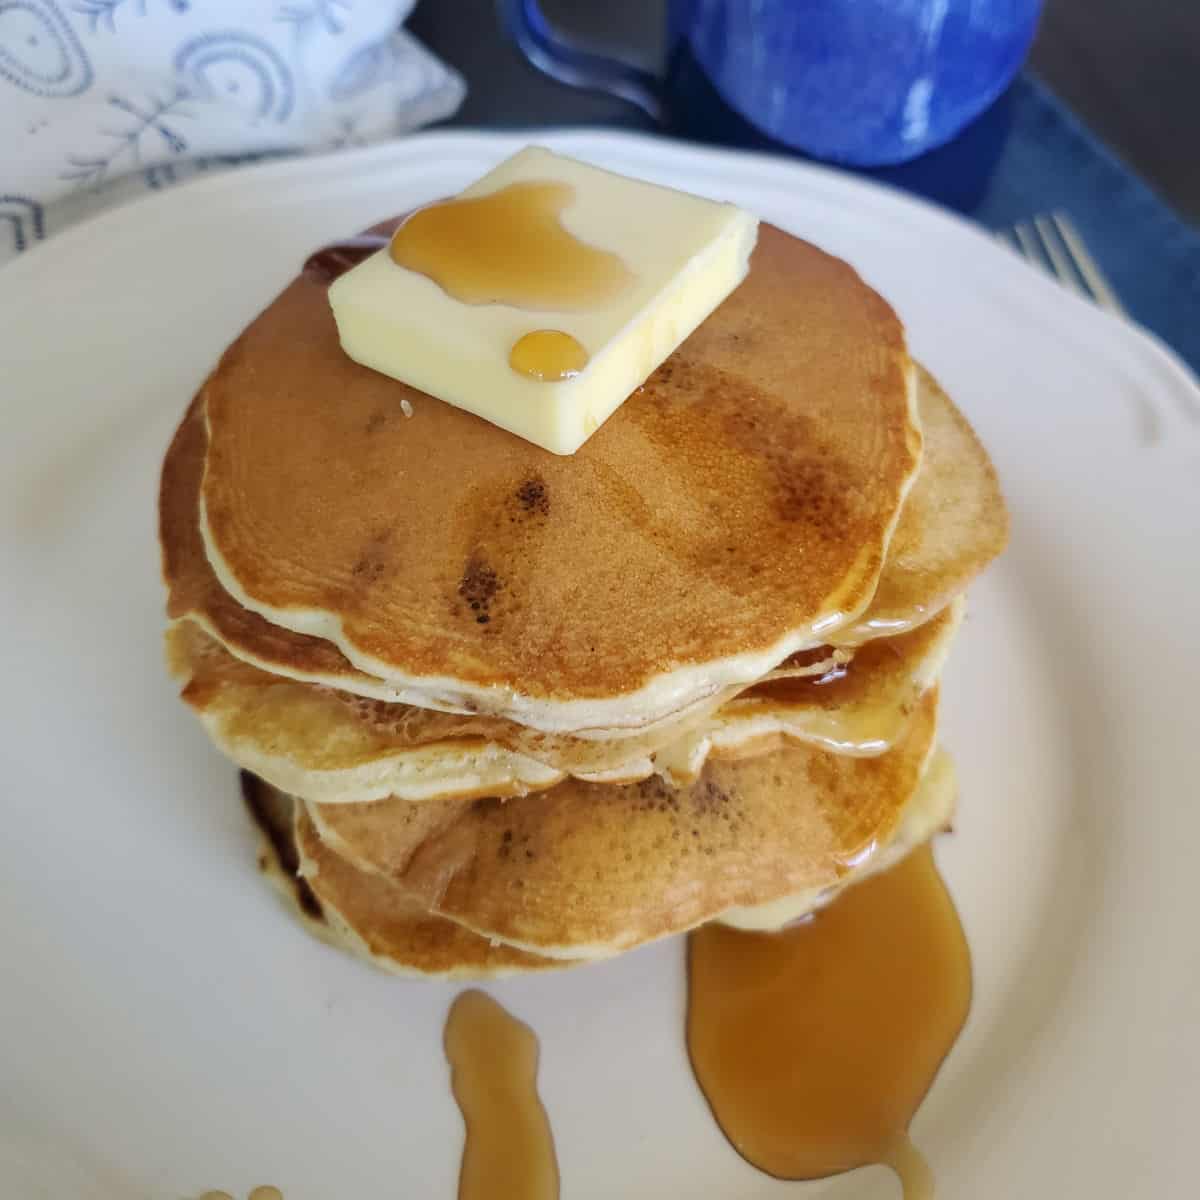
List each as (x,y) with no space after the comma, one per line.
(1130,70)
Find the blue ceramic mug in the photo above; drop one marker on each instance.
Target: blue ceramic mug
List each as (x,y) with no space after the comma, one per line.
(864,82)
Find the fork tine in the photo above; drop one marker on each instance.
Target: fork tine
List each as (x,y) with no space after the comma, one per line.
(1086,264)
(1059,254)
(1028,244)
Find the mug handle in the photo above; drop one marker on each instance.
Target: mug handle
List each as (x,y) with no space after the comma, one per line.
(526,24)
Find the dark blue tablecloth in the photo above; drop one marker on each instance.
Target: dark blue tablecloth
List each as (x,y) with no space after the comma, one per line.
(1030,155)
(1027,155)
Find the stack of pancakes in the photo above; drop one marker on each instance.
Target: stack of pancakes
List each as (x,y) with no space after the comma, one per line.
(501,710)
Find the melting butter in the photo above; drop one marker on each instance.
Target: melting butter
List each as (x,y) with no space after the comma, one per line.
(625,268)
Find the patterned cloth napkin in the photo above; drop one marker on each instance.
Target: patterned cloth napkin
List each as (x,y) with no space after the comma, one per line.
(101,100)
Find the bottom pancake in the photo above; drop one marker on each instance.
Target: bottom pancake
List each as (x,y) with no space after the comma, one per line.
(365,914)
(374,919)
(590,870)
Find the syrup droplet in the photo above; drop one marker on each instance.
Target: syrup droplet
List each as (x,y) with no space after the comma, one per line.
(814,1046)
(548,354)
(509,1149)
(509,247)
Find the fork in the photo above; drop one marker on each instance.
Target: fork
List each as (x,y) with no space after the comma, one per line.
(1051,242)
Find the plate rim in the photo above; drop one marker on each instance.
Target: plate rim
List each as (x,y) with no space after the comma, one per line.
(1020,274)
(130,214)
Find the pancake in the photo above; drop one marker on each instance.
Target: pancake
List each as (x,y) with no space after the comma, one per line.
(194,593)
(928,813)
(588,870)
(333,747)
(953,524)
(862,710)
(363,914)
(377,920)
(734,510)
(274,813)
(312,741)
(373,919)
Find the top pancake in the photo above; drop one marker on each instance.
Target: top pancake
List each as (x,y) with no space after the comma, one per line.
(735,509)
(194,593)
(953,523)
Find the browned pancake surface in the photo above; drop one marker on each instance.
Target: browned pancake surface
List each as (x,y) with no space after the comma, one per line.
(327,745)
(746,491)
(881,672)
(597,869)
(257,717)
(953,523)
(393,928)
(365,913)
(193,590)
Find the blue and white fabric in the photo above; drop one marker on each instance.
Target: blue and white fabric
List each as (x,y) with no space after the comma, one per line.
(103,99)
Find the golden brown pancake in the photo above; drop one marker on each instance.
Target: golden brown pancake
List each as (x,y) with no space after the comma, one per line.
(928,812)
(193,590)
(194,593)
(363,913)
(953,524)
(587,870)
(334,747)
(379,919)
(374,919)
(863,709)
(732,511)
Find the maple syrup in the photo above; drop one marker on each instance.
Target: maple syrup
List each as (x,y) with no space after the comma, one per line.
(548,354)
(509,247)
(509,1149)
(815,1045)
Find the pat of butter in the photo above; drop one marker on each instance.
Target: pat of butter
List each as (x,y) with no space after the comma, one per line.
(543,306)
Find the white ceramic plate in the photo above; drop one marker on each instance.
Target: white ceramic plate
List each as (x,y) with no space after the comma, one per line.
(165,1026)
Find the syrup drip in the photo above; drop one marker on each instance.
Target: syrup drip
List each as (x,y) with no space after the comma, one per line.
(814,1046)
(509,1150)
(509,247)
(548,355)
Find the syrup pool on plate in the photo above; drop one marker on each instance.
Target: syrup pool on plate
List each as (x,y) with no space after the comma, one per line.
(815,1046)
(509,1148)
